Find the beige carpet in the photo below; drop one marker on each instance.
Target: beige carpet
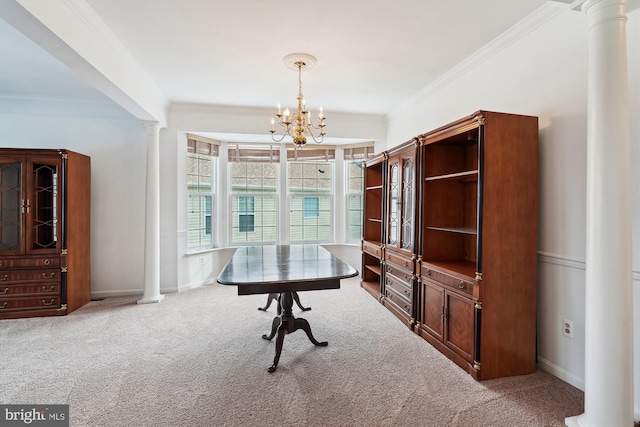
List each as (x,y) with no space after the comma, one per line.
(198,359)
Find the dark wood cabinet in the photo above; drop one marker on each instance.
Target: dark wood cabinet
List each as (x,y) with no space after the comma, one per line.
(44,232)
(460,256)
(399,275)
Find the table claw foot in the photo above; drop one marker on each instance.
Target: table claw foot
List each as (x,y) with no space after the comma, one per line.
(269,300)
(296,298)
(304,325)
(282,331)
(274,329)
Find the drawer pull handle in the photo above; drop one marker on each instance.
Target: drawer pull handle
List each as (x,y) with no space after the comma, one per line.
(50,289)
(5,277)
(50,276)
(461,285)
(406,263)
(47,261)
(0,263)
(44,302)
(4,305)
(428,272)
(6,291)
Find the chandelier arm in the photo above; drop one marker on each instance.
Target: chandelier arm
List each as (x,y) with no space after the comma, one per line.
(319,127)
(319,139)
(276,139)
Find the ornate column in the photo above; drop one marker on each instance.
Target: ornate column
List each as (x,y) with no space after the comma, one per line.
(608,296)
(152,218)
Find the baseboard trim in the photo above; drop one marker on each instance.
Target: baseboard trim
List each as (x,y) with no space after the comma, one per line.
(561,373)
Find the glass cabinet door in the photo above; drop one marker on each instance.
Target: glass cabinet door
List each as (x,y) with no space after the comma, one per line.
(29,205)
(43,205)
(11,205)
(394,203)
(408,185)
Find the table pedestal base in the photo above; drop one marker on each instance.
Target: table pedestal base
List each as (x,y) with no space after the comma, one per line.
(286,323)
(273,296)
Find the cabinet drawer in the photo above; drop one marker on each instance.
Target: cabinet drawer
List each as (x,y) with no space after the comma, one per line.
(400,261)
(448,280)
(372,248)
(399,300)
(400,287)
(52,288)
(399,273)
(29,262)
(8,304)
(52,275)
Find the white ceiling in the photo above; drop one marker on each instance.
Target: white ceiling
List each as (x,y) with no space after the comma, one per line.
(372,54)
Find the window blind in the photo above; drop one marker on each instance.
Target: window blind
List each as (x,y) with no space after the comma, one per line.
(358,153)
(209,147)
(254,154)
(323,153)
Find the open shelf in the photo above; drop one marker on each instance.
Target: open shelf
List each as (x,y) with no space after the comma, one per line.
(465,176)
(375,268)
(374,187)
(372,287)
(462,230)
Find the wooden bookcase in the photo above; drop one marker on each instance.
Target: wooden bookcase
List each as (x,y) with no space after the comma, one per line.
(373,224)
(478,248)
(45,199)
(456,237)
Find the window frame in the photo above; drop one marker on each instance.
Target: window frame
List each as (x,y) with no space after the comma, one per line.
(253,154)
(319,156)
(202,150)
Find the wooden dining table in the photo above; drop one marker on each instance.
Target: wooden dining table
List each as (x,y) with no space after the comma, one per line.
(285,270)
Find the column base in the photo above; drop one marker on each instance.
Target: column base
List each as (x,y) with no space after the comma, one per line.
(574,421)
(150,300)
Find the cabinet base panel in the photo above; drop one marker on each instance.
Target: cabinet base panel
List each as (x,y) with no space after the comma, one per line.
(398,312)
(372,287)
(455,358)
(34,313)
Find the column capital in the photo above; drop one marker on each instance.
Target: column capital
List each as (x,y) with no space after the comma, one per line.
(605,9)
(153,127)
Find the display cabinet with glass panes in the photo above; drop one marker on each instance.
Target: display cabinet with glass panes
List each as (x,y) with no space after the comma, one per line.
(399,265)
(45,199)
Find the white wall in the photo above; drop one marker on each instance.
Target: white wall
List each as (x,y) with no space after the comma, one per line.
(541,70)
(116,144)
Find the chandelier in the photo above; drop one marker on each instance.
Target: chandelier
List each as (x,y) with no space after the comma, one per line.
(300,125)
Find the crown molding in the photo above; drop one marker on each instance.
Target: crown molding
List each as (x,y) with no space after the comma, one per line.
(534,20)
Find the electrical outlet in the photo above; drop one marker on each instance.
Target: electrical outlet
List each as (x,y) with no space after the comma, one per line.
(567,328)
(201,260)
